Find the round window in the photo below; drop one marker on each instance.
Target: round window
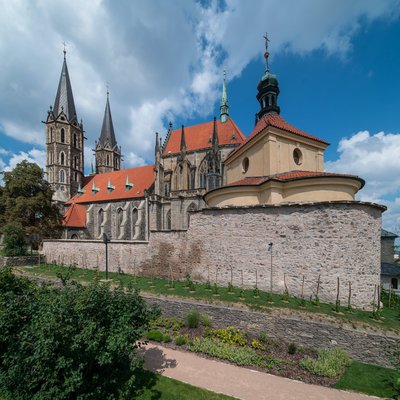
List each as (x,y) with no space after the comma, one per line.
(245,165)
(297,156)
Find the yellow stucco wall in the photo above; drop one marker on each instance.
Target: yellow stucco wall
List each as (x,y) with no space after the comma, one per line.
(271,152)
(303,190)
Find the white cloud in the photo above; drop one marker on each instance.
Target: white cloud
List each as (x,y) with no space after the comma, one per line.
(34,155)
(163,59)
(375,158)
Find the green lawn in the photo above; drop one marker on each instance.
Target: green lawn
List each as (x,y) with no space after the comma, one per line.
(369,379)
(390,317)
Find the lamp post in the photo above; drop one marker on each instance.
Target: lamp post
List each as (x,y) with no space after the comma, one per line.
(270,288)
(105,241)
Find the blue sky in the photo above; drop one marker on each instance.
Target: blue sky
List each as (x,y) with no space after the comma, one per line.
(337,63)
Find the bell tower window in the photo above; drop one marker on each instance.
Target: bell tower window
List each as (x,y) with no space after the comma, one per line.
(62,176)
(75,141)
(62,158)
(62,135)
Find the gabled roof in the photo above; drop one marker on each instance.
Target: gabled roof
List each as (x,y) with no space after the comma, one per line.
(290,176)
(387,234)
(64,98)
(199,136)
(107,134)
(276,121)
(140,177)
(75,216)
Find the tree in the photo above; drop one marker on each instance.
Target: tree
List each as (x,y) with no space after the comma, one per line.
(14,239)
(71,342)
(26,198)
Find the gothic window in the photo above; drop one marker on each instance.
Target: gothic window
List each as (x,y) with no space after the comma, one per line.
(167,189)
(76,177)
(75,142)
(394,283)
(116,162)
(203,174)
(108,160)
(62,176)
(100,221)
(120,216)
(51,134)
(168,222)
(192,178)
(62,158)
(62,135)
(134,221)
(74,236)
(75,162)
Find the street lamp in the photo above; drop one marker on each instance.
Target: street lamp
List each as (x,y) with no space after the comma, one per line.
(106,241)
(270,288)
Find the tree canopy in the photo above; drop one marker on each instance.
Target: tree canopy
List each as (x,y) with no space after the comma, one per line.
(25,199)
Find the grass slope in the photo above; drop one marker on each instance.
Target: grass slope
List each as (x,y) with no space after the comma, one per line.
(390,317)
(369,379)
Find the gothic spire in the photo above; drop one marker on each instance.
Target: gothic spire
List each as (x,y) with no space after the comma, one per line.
(183,141)
(215,135)
(64,98)
(157,146)
(224,108)
(107,129)
(268,89)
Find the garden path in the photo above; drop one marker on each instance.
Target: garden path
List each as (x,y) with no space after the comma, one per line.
(242,383)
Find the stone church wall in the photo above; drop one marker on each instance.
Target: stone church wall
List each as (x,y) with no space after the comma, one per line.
(330,240)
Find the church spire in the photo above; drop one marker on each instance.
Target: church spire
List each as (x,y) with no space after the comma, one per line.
(268,89)
(224,108)
(64,101)
(107,129)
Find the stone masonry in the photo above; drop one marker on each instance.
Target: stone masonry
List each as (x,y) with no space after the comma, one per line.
(329,240)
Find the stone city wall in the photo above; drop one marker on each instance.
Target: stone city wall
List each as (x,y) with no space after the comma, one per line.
(329,239)
(368,346)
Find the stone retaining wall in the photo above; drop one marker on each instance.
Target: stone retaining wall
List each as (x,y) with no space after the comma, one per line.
(18,261)
(329,240)
(363,345)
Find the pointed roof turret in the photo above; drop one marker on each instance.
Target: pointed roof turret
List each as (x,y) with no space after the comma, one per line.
(64,98)
(107,129)
(183,141)
(157,146)
(224,108)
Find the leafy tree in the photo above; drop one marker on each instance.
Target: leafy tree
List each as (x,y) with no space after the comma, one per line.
(14,239)
(25,198)
(71,342)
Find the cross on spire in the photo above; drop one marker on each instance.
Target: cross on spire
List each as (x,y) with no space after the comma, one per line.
(65,48)
(108,88)
(266,41)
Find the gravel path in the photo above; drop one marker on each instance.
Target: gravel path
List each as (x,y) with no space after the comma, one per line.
(242,383)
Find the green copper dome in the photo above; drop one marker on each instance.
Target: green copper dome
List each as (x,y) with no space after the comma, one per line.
(271,78)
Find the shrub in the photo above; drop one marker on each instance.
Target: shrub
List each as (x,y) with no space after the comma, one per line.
(166,339)
(14,240)
(167,322)
(256,345)
(264,338)
(69,342)
(205,320)
(330,363)
(180,340)
(193,319)
(154,335)
(292,348)
(229,335)
(216,348)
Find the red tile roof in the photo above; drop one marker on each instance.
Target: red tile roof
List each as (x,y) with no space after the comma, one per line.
(276,121)
(290,176)
(75,216)
(141,178)
(198,136)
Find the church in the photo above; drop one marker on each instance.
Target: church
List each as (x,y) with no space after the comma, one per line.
(256,210)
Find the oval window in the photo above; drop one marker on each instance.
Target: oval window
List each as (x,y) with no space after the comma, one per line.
(297,157)
(245,165)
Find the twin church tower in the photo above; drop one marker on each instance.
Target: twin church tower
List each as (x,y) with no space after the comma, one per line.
(65,143)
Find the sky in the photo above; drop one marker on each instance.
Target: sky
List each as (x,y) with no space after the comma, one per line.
(337,62)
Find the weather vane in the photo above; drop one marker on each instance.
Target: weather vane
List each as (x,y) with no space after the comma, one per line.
(266,41)
(65,47)
(108,88)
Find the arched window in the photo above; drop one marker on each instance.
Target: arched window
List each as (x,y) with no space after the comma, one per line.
(62,158)
(134,221)
(395,283)
(62,135)
(100,220)
(108,159)
(62,176)
(192,178)
(74,236)
(116,162)
(168,220)
(167,189)
(75,141)
(76,177)
(51,134)
(203,173)
(75,162)
(120,217)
